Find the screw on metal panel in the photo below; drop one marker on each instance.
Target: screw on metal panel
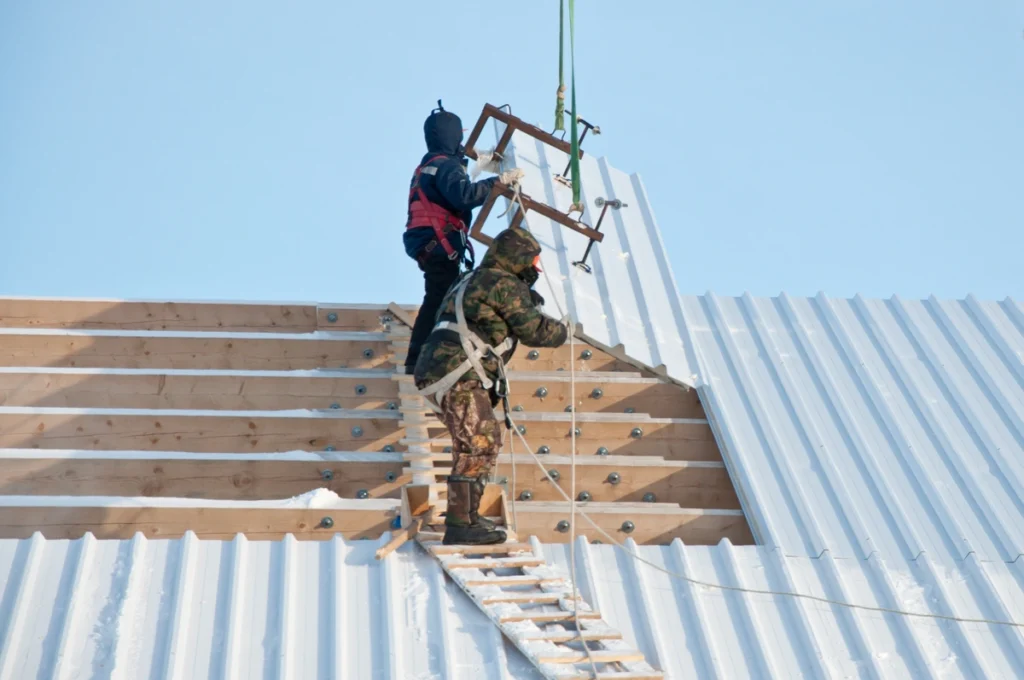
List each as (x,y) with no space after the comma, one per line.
(362,493)
(368,353)
(392,406)
(562,526)
(327,474)
(517,408)
(357,431)
(360,389)
(636,433)
(541,392)
(447,449)
(526,495)
(388,448)
(533,355)
(628,527)
(336,406)
(544,450)
(332,317)
(568,409)
(630,409)
(649,497)
(326,523)
(614,478)
(603,451)
(583,497)
(597,393)
(329,448)
(586,354)
(390,476)
(554,475)
(522,429)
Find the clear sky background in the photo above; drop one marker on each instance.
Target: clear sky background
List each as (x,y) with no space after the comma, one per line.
(262,150)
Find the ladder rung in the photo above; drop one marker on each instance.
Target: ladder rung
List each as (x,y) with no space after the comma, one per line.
(510,581)
(629,675)
(573,636)
(548,617)
(499,549)
(496,563)
(598,656)
(526,598)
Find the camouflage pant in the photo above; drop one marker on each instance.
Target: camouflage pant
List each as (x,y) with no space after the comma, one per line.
(476,435)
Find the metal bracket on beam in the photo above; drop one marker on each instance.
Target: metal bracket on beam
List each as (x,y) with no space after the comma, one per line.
(603,205)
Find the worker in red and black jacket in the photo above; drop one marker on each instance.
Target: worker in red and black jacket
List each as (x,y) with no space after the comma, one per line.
(441,202)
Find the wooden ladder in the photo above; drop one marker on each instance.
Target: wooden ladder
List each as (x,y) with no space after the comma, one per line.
(532,603)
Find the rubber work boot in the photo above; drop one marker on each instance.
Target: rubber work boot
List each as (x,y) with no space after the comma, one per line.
(475,518)
(458,524)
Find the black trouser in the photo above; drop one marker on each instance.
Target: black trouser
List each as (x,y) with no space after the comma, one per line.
(439,273)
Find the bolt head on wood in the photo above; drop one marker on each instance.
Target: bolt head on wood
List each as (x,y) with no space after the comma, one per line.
(390,476)
(562,526)
(517,408)
(362,493)
(368,353)
(392,406)
(327,475)
(544,450)
(336,406)
(578,432)
(614,478)
(326,523)
(628,527)
(630,409)
(360,390)
(583,497)
(330,448)
(526,495)
(568,409)
(447,449)
(597,393)
(554,475)
(533,355)
(332,317)
(522,429)
(602,451)
(636,433)
(388,448)
(586,355)
(649,497)
(541,392)
(357,431)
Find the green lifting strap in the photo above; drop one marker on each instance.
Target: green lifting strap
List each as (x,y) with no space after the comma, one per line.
(574,133)
(560,95)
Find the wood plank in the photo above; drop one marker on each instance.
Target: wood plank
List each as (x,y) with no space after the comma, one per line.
(558,359)
(548,616)
(598,656)
(495,563)
(574,636)
(200,432)
(658,399)
(511,581)
(196,316)
(195,351)
(357,317)
(195,389)
(703,484)
(655,524)
(500,549)
(399,538)
(219,523)
(236,478)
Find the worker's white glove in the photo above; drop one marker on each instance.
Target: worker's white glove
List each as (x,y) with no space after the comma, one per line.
(486,161)
(511,176)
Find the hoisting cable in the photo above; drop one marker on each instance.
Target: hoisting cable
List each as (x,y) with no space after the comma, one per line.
(560,95)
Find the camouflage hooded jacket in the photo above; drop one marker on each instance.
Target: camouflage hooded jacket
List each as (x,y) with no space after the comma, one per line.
(497,305)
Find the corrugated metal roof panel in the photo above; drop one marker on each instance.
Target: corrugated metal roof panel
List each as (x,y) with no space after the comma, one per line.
(293,609)
(852,426)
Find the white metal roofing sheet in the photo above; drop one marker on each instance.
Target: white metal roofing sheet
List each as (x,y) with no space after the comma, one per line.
(852,426)
(244,609)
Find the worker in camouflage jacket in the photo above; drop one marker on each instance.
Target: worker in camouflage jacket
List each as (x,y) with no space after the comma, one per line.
(498,304)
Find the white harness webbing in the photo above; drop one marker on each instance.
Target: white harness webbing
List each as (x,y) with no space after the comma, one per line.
(474,347)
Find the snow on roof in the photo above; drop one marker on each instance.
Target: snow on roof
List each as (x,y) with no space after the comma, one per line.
(854,426)
(187,608)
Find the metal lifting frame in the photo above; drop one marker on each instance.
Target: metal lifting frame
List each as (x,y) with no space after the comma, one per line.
(511,125)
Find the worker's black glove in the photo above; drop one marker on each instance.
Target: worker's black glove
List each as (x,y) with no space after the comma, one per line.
(537,298)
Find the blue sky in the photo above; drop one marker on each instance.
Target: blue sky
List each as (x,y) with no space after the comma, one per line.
(253,150)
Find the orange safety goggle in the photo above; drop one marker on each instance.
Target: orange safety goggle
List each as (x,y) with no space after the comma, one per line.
(536,263)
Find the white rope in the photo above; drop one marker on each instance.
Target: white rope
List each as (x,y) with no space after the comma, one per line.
(755,591)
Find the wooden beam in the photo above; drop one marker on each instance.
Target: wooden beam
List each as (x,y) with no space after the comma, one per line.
(399,538)
(654,523)
(219,523)
(356,317)
(196,389)
(195,316)
(142,350)
(201,432)
(208,476)
(644,395)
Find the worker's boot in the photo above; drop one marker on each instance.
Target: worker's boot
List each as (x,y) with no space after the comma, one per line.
(459,528)
(475,518)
